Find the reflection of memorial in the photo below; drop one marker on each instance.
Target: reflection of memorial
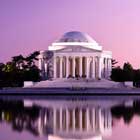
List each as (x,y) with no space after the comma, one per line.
(67,119)
(75,121)
(63,120)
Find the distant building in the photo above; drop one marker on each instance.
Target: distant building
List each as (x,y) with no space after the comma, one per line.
(75,54)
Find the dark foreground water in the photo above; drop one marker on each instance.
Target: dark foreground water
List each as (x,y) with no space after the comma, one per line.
(96,119)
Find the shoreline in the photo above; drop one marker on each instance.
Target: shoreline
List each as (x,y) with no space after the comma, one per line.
(69,94)
(66,90)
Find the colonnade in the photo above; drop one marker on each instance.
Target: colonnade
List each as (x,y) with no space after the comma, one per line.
(81,66)
(81,119)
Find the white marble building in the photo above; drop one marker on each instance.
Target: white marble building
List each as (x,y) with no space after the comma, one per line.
(75,54)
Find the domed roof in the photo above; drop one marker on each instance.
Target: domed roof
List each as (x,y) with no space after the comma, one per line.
(76,36)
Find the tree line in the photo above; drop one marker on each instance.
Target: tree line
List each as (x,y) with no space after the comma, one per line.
(18,70)
(127,73)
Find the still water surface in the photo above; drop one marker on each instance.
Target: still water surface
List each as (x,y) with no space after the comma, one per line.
(71,119)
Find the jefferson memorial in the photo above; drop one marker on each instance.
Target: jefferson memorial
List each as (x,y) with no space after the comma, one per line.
(75,55)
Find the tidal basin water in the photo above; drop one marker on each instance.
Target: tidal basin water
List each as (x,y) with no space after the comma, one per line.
(96,119)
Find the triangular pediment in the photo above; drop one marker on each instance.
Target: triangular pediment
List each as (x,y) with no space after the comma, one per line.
(76,49)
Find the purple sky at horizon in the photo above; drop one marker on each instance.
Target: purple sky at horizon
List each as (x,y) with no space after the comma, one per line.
(29,25)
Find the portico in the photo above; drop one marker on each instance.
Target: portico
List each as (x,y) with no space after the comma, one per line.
(76,55)
(80,66)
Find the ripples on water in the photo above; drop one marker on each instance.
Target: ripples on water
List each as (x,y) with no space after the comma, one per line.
(60,119)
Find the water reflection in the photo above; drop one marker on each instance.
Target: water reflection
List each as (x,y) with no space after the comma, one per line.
(19,116)
(67,119)
(126,112)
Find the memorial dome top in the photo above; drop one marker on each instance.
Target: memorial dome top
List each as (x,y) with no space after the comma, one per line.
(76,36)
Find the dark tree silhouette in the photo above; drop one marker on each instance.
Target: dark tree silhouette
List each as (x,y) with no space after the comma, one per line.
(117,75)
(128,71)
(18,60)
(114,62)
(32,58)
(20,69)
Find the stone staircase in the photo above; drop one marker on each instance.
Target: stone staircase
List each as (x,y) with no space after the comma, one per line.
(62,83)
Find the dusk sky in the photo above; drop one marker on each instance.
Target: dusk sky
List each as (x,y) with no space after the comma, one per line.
(29,25)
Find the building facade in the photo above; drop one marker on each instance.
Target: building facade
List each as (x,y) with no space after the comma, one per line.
(74,55)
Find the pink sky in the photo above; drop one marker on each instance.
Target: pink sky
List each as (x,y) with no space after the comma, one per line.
(28,25)
(126,131)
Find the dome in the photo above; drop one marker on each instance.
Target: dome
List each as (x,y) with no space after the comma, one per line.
(75,36)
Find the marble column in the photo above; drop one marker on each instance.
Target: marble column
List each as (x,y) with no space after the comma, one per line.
(103,67)
(109,67)
(61,74)
(61,121)
(67,119)
(45,118)
(106,70)
(93,119)
(67,67)
(54,119)
(40,66)
(87,67)
(46,66)
(73,66)
(73,119)
(54,67)
(101,123)
(99,67)
(40,63)
(93,68)
(87,119)
(80,66)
